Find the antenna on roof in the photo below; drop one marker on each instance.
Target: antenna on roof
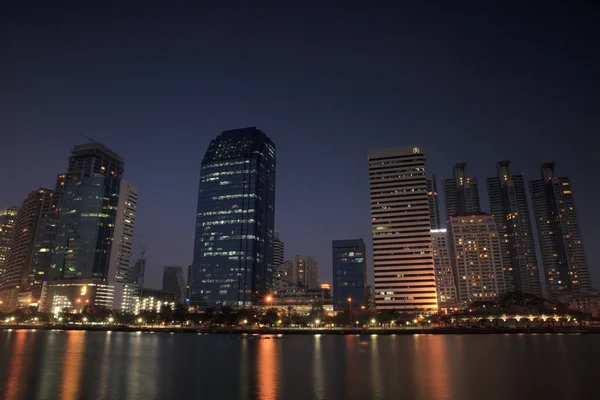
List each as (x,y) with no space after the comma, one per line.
(87,137)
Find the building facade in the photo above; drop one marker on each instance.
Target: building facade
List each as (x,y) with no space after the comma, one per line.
(508,205)
(173,282)
(400,219)
(18,279)
(278,251)
(349,273)
(477,256)
(233,249)
(444,273)
(7,222)
(119,268)
(75,295)
(461,192)
(434,205)
(561,244)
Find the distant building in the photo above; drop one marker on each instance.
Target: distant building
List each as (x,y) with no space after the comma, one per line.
(303,271)
(434,205)
(154,300)
(234,239)
(370,297)
(188,284)
(137,272)
(302,296)
(585,301)
(7,222)
(508,204)
(349,273)
(563,254)
(461,192)
(444,274)
(400,219)
(477,257)
(120,252)
(173,282)
(18,279)
(76,294)
(278,251)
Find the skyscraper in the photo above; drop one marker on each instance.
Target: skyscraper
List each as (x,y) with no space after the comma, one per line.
(120,252)
(476,252)
(87,213)
(444,274)
(461,192)
(434,206)
(173,282)
(278,251)
(560,238)
(307,272)
(508,204)
(7,222)
(403,259)
(17,275)
(233,250)
(349,273)
(138,271)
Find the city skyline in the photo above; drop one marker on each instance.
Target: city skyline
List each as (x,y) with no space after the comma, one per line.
(154,108)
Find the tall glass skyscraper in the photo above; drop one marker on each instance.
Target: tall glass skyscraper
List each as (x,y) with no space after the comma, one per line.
(349,273)
(235,223)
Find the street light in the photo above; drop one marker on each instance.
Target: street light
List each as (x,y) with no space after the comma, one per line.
(84,319)
(140,320)
(110,319)
(317,321)
(373,321)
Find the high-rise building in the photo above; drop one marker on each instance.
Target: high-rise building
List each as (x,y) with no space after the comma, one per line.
(233,249)
(508,205)
(173,282)
(278,251)
(461,192)
(475,250)
(349,273)
(560,238)
(403,259)
(444,274)
(18,280)
(7,221)
(87,213)
(120,252)
(434,205)
(188,284)
(307,273)
(138,271)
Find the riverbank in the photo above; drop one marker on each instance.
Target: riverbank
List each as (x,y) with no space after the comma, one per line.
(311,331)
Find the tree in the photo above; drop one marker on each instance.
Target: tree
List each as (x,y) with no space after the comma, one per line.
(180,314)
(270,317)
(96,313)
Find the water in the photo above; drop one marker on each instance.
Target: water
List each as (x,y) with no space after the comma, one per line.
(119,365)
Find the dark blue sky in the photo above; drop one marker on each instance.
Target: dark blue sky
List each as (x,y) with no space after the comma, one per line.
(327,83)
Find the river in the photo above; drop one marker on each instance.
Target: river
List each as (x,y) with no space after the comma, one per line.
(122,365)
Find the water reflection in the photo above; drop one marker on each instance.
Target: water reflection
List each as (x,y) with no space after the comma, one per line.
(267,369)
(17,364)
(318,373)
(72,367)
(376,384)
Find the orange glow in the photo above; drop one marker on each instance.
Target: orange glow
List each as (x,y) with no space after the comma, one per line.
(267,370)
(78,300)
(269,299)
(72,365)
(16,364)
(350,299)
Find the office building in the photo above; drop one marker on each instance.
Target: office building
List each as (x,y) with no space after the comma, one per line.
(400,218)
(444,274)
(188,284)
(87,213)
(235,232)
(477,256)
(561,244)
(173,282)
(120,252)
(508,205)
(154,300)
(7,222)
(349,273)
(461,192)
(18,279)
(434,205)
(278,251)
(75,295)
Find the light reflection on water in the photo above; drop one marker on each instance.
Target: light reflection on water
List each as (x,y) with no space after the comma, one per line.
(117,365)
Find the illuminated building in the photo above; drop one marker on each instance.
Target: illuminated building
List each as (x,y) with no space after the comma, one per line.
(508,205)
(154,300)
(87,213)
(434,205)
(173,282)
(17,275)
(475,250)
(233,248)
(120,252)
(278,251)
(304,271)
(76,294)
(7,221)
(400,219)
(444,274)
(561,244)
(349,273)
(461,192)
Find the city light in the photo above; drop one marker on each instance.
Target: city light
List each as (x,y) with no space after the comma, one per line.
(373,321)
(85,319)
(317,321)
(110,319)
(140,320)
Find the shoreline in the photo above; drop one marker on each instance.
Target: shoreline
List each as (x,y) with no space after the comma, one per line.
(307,331)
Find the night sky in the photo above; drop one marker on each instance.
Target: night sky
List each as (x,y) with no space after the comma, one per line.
(156,83)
